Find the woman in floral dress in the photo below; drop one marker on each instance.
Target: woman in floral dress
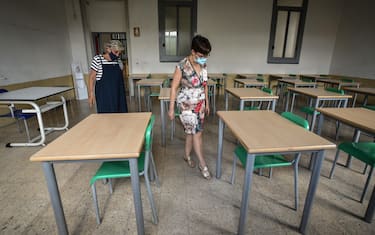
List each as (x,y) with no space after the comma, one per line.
(192,99)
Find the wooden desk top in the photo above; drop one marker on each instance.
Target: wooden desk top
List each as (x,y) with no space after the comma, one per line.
(32,93)
(295,81)
(362,90)
(318,93)
(249,81)
(334,81)
(211,82)
(267,132)
(150,82)
(98,137)
(250,93)
(361,118)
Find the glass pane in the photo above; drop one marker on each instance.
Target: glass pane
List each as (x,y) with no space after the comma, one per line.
(280,33)
(171,31)
(291,41)
(290,3)
(184,31)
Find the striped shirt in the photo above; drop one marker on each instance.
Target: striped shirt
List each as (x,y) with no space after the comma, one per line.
(97,63)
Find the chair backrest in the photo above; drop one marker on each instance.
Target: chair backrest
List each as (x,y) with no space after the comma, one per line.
(296,119)
(148,133)
(307,79)
(166,82)
(260,79)
(336,90)
(268,90)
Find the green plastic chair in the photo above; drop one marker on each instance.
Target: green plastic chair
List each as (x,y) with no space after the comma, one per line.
(276,160)
(363,151)
(267,90)
(306,78)
(372,107)
(347,80)
(166,83)
(121,169)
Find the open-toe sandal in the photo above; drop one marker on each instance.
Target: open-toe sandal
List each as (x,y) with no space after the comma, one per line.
(205,173)
(189,161)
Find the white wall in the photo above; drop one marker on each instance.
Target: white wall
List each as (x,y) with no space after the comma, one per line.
(239,33)
(354,53)
(106,16)
(34,41)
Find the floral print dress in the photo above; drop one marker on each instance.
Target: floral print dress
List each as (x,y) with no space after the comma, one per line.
(191,98)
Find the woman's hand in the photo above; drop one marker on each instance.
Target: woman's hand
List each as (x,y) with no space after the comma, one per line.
(171,114)
(207,110)
(91,100)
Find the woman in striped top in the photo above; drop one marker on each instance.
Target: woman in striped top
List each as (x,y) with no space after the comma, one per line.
(106,77)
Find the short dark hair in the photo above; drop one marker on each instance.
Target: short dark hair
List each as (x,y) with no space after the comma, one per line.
(201,44)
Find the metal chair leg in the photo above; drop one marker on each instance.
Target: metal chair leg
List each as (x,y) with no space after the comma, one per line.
(232,178)
(334,164)
(366,185)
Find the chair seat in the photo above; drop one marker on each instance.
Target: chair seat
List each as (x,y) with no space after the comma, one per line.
(364,151)
(265,161)
(117,169)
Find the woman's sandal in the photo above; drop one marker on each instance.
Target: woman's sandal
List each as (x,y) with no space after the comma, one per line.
(205,173)
(189,161)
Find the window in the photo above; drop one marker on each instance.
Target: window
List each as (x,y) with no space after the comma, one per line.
(288,20)
(177,25)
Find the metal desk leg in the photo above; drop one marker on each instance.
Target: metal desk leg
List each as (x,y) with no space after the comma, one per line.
(370,208)
(357,134)
(245,193)
(314,115)
(162,117)
(219,149)
(242,105)
(287,101)
(274,105)
(226,100)
(139,97)
(314,180)
(137,195)
(49,173)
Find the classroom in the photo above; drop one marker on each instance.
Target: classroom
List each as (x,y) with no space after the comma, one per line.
(287,141)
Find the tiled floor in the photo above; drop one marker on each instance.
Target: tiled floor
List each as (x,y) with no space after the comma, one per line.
(186,203)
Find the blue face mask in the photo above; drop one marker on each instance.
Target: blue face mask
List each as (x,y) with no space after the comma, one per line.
(113,56)
(201,60)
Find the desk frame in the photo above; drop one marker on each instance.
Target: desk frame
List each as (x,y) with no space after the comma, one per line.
(318,98)
(38,110)
(314,179)
(267,98)
(370,211)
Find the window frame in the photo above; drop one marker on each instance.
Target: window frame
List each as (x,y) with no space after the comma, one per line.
(162,4)
(282,60)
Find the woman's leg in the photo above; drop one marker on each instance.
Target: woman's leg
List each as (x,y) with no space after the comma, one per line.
(188,145)
(197,143)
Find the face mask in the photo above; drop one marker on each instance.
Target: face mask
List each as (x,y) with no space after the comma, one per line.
(201,60)
(113,56)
